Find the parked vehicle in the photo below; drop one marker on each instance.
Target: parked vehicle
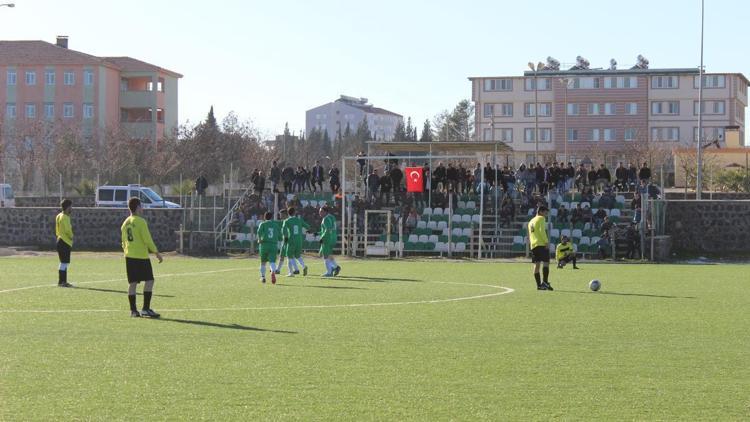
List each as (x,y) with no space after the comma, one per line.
(118,196)
(7,199)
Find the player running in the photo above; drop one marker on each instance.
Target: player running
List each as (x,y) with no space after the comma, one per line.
(540,247)
(328,241)
(293,231)
(269,234)
(64,234)
(137,244)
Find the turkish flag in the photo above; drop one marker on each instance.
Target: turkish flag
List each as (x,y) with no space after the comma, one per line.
(414,182)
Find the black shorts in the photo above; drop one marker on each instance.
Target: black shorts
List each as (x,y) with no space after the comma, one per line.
(567,258)
(63,251)
(138,270)
(540,254)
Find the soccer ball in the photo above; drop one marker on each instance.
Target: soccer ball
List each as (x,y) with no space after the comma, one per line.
(595,285)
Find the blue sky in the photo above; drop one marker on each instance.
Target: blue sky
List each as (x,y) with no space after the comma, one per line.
(271,60)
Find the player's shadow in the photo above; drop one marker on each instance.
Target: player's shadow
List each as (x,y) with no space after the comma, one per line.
(94,289)
(227,326)
(628,294)
(376,279)
(322,287)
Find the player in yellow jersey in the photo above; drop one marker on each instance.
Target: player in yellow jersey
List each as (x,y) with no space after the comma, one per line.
(540,247)
(137,244)
(565,253)
(64,234)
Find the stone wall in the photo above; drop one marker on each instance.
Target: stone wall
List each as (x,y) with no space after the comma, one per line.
(94,228)
(709,227)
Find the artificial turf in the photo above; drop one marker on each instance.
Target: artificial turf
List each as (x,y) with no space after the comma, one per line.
(657,342)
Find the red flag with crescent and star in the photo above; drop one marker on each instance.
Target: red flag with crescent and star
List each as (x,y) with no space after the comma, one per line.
(414,181)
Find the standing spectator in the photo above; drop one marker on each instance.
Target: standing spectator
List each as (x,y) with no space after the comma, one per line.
(477,177)
(287,175)
(373,182)
(510,181)
(259,182)
(306,176)
(603,177)
(318,176)
(334,181)
(633,240)
(621,174)
(605,247)
(361,163)
(632,177)
(644,173)
(385,188)
(440,176)
(462,178)
(540,177)
(592,176)
(580,178)
(299,179)
(397,176)
(451,175)
(426,183)
(201,184)
(275,177)
(411,221)
(570,174)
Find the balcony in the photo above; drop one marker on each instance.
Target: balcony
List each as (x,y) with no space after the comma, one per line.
(141,92)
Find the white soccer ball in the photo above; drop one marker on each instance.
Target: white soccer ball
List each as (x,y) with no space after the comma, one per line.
(595,285)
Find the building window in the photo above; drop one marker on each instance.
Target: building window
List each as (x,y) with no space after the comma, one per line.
(609,109)
(711,81)
(544,84)
(574,109)
(665,82)
(666,134)
(665,107)
(489,110)
(595,135)
(69,78)
(545,134)
(11,77)
(68,110)
(630,134)
(710,133)
(88,78)
(49,77)
(584,83)
(631,108)
(621,82)
(10,110)
(30,77)
(594,109)
(501,110)
(49,111)
(710,107)
(609,134)
(498,84)
(572,134)
(30,111)
(88,111)
(506,135)
(545,109)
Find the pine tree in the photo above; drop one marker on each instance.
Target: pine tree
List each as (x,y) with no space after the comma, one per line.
(400,134)
(409,129)
(211,120)
(426,132)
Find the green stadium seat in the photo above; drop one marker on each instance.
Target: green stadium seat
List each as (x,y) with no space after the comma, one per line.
(235,244)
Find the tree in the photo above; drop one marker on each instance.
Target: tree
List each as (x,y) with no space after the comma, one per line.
(456,125)
(399,135)
(426,132)
(409,131)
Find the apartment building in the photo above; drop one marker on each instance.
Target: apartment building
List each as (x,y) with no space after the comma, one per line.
(586,113)
(50,82)
(335,116)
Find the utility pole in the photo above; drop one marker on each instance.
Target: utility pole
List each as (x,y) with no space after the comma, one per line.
(699,172)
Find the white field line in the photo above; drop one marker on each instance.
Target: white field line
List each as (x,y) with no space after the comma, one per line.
(159,276)
(505,290)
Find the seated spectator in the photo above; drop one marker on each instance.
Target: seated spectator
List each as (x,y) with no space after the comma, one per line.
(411,221)
(605,247)
(587,214)
(607,200)
(562,214)
(565,253)
(588,196)
(576,215)
(606,224)
(238,220)
(599,217)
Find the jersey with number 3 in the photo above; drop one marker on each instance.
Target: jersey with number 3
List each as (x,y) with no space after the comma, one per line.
(136,238)
(269,232)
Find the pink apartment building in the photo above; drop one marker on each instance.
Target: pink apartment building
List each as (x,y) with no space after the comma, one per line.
(594,112)
(44,81)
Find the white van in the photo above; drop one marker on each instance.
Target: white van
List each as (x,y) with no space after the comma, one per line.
(117,197)
(7,199)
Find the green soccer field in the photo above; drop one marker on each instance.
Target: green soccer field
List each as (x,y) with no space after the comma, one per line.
(388,340)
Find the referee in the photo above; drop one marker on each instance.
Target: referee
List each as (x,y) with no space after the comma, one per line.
(137,244)
(64,234)
(540,247)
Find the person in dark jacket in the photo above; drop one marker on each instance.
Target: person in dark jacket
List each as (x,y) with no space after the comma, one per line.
(333,178)
(580,178)
(287,176)
(260,183)
(592,176)
(632,177)
(275,176)
(385,188)
(201,184)
(373,183)
(318,176)
(603,177)
(644,173)
(621,174)
(396,177)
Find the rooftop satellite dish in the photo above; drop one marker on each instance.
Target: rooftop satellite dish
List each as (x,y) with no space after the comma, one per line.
(613,64)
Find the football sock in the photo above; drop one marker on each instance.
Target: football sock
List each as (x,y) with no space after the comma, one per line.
(262,270)
(62,276)
(294,264)
(334,264)
(147,300)
(131,299)
(328,266)
(273,267)
(545,274)
(301,262)
(538,279)
(281,262)
(290,265)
